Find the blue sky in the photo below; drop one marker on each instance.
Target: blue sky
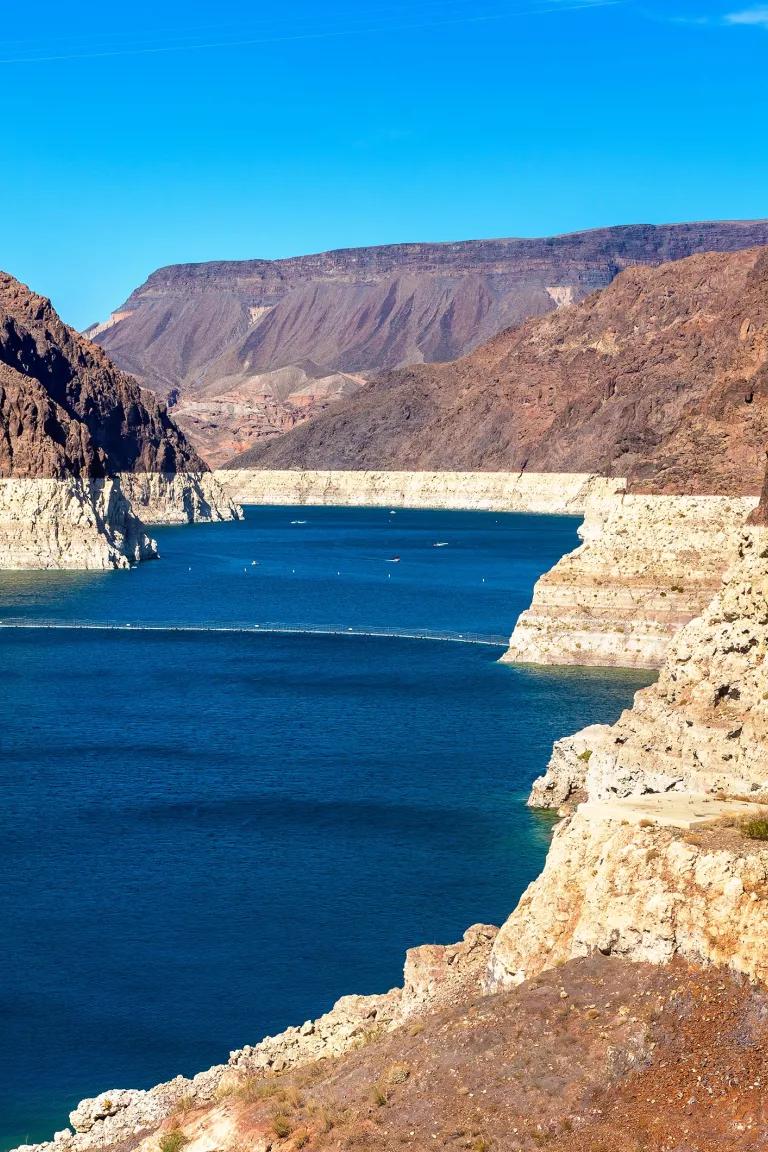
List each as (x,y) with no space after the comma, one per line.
(148,133)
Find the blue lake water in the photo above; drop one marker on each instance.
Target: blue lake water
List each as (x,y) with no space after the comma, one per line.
(208,835)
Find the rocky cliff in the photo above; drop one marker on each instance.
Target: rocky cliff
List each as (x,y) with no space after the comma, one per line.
(64,407)
(549,494)
(75,436)
(647,565)
(658,861)
(70,523)
(661,378)
(247,349)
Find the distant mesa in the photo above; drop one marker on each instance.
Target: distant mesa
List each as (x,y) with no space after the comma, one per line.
(250,349)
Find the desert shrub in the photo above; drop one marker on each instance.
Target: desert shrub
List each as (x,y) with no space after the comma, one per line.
(397,1073)
(172,1141)
(756,828)
(378,1095)
(281,1125)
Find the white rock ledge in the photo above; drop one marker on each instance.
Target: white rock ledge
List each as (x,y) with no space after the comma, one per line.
(565,493)
(81,524)
(70,524)
(646,567)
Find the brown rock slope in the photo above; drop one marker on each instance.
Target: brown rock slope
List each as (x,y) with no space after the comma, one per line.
(66,410)
(599,1054)
(199,331)
(662,377)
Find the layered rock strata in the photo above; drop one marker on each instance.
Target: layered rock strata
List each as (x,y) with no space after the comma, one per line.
(703,726)
(631,884)
(662,377)
(625,874)
(69,523)
(252,347)
(178,497)
(553,493)
(647,565)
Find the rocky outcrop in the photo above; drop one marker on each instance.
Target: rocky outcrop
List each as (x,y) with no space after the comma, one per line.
(565,778)
(69,523)
(662,378)
(703,726)
(225,417)
(647,565)
(434,977)
(178,497)
(619,882)
(563,493)
(195,330)
(64,407)
(621,877)
(85,453)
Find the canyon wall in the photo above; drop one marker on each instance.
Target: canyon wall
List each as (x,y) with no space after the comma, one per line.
(246,349)
(657,861)
(662,377)
(74,523)
(178,497)
(552,493)
(69,523)
(647,565)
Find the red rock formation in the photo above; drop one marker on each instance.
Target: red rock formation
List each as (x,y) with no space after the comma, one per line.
(64,407)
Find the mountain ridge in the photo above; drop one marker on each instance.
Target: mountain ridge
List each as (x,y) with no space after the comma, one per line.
(662,377)
(66,410)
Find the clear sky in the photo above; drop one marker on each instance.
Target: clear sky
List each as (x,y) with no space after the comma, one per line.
(157,131)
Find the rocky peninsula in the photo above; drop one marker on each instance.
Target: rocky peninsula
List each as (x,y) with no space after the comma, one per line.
(87,457)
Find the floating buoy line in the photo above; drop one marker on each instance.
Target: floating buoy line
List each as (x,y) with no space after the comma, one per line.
(260,628)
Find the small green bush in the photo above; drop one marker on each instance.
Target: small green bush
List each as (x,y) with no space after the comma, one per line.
(757,828)
(173,1141)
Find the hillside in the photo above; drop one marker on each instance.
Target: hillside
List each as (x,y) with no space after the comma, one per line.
(216,338)
(662,378)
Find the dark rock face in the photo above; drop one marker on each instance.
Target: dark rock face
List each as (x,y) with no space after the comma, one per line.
(64,407)
(662,377)
(207,329)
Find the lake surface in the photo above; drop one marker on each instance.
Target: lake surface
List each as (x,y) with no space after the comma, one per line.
(207,835)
